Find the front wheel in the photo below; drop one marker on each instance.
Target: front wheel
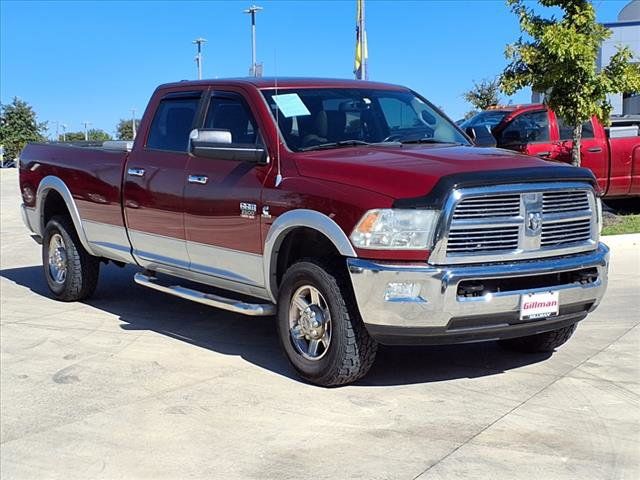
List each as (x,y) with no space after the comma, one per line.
(320,327)
(541,342)
(71,272)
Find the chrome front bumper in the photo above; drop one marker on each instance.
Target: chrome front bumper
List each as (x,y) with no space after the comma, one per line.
(437,313)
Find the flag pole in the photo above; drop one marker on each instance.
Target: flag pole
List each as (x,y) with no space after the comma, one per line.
(360,64)
(363,42)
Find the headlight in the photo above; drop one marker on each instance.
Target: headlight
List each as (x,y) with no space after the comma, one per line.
(390,229)
(599,213)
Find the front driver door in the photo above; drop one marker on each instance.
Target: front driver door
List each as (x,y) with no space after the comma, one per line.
(528,133)
(223,201)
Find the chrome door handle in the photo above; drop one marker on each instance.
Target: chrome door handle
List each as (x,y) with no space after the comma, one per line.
(201,179)
(594,150)
(136,172)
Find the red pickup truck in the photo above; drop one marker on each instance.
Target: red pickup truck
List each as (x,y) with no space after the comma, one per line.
(355,212)
(613,155)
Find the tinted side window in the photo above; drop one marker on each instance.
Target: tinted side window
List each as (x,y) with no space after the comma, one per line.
(232,114)
(172,123)
(526,128)
(566,131)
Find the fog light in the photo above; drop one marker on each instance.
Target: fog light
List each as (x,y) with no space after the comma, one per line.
(403,292)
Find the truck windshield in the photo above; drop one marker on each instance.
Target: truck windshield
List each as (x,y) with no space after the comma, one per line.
(319,118)
(488,118)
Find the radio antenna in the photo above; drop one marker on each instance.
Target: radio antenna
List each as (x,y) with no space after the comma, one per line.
(279,174)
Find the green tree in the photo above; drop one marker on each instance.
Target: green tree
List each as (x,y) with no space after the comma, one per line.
(18,126)
(483,95)
(72,137)
(98,135)
(124,130)
(93,135)
(559,59)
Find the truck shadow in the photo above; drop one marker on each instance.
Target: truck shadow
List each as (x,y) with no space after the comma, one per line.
(255,339)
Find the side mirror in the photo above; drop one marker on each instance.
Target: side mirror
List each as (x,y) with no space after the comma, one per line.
(481,136)
(211,136)
(218,144)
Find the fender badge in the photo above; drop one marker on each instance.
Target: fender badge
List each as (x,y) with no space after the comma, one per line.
(265,212)
(248,210)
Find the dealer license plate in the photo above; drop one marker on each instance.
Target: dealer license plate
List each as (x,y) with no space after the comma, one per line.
(539,305)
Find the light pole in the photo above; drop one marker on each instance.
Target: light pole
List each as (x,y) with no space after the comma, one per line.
(64,131)
(252,10)
(86,132)
(199,42)
(133,122)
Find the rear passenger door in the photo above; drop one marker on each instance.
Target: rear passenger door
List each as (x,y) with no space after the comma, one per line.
(594,152)
(154,183)
(223,199)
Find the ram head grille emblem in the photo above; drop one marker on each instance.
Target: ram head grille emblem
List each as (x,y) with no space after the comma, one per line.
(534,222)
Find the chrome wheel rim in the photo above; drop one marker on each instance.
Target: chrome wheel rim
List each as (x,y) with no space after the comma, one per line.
(57,259)
(310,323)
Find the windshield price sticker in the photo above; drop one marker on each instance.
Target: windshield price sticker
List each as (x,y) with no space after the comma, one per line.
(291,105)
(539,305)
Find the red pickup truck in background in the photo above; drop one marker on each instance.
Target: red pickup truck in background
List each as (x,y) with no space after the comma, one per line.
(354,211)
(612,154)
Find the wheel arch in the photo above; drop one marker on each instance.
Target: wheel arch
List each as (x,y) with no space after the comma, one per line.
(51,184)
(294,220)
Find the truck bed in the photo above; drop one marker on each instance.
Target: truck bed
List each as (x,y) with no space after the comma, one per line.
(92,173)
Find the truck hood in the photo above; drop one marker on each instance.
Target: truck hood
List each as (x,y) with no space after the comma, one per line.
(408,171)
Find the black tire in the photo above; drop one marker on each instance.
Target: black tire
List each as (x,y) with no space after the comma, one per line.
(351,351)
(82,269)
(541,342)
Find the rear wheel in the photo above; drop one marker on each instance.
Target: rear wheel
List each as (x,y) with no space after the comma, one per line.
(71,272)
(320,327)
(541,342)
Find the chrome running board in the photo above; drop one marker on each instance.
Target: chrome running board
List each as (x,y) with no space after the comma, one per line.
(236,306)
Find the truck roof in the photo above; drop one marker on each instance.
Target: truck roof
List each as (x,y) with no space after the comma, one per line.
(286,82)
(513,108)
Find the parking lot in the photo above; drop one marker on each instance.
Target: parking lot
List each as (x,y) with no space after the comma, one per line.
(138,384)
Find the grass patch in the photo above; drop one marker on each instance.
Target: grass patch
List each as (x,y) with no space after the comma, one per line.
(620,224)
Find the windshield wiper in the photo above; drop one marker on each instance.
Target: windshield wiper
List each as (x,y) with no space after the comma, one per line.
(427,140)
(348,143)
(343,143)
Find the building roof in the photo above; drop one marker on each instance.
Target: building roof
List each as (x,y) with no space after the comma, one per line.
(631,12)
(628,16)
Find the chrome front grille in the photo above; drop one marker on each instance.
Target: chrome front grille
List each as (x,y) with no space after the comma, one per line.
(555,202)
(516,223)
(482,239)
(565,231)
(493,206)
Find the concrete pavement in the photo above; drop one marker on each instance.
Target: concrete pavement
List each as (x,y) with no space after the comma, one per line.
(135,384)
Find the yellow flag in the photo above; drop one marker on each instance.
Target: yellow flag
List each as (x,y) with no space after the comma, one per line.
(362,53)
